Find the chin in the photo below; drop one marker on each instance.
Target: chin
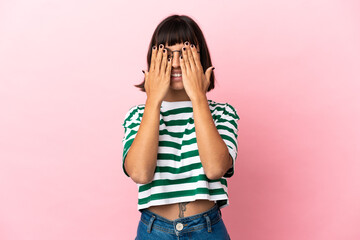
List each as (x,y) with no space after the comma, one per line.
(177,86)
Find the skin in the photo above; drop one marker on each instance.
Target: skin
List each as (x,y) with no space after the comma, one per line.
(213,151)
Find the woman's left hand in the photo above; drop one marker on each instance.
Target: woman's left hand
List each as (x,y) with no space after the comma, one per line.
(195,81)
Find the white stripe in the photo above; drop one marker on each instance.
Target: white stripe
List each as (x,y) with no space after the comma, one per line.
(176,164)
(167,175)
(177,116)
(181,187)
(185,148)
(171,176)
(177,129)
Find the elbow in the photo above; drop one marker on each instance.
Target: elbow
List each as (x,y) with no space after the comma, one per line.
(214,176)
(136,176)
(219,171)
(142,179)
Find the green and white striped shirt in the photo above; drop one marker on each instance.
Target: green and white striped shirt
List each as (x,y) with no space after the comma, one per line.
(179,174)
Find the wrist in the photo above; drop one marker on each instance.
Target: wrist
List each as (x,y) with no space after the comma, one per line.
(153,101)
(199,98)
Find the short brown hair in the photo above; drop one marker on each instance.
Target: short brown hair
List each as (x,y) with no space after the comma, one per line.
(179,29)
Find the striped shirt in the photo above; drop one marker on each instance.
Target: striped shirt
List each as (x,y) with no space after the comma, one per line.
(179,175)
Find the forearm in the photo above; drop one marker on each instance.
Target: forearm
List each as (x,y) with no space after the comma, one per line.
(142,157)
(214,154)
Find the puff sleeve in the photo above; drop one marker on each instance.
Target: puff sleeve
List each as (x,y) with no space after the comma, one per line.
(131,126)
(227,127)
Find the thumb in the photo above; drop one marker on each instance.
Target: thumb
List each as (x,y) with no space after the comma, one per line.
(145,72)
(208,72)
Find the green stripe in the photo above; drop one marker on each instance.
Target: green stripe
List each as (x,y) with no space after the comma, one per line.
(131,111)
(235,115)
(165,182)
(177,111)
(177,145)
(179,170)
(226,137)
(182,193)
(232,122)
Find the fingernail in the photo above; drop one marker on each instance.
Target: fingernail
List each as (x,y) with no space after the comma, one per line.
(213,68)
(186,43)
(154,47)
(192,45)
(184,48)
(161,46)
(143,71)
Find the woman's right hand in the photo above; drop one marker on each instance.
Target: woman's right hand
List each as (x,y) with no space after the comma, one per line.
(157,79)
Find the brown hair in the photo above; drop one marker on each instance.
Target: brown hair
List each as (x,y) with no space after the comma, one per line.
(179,29)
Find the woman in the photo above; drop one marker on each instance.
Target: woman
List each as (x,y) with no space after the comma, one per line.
(179,146)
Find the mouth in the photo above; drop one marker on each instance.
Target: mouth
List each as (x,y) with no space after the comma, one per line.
(176,76)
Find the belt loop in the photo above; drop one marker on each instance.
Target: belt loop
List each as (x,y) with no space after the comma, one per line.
(150,224)
(208,222)
(218,207)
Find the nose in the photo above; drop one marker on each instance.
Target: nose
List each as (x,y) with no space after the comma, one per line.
(176,60)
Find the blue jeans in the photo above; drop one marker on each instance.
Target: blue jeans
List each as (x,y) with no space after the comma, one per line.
(206,225)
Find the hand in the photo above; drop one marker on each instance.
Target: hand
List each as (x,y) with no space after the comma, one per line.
(195,81)
(157,79)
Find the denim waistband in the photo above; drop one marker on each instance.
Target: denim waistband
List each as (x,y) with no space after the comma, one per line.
(181,225)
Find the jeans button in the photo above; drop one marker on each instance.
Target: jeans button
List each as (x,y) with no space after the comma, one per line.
(179,226)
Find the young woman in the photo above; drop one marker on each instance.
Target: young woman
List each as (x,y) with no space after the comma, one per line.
(179,146)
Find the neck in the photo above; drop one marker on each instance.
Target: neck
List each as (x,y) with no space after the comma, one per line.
(176,95)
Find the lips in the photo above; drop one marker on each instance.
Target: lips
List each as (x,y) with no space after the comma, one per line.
(176,75)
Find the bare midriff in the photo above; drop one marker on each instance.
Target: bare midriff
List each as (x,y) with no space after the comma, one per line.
(184,209)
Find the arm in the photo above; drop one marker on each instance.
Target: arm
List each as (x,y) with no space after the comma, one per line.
(142,156)
(214,154)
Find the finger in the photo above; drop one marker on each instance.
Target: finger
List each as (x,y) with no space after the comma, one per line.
(159,57)
(191,59)
(196,56)
(168,68)
(183,67)
(145,79)
(153,57)
(163,61)
(185,58)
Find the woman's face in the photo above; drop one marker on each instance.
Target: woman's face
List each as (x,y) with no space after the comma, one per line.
(177,91)
(175,80)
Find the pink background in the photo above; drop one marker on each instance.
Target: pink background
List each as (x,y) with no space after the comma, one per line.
(290,68)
